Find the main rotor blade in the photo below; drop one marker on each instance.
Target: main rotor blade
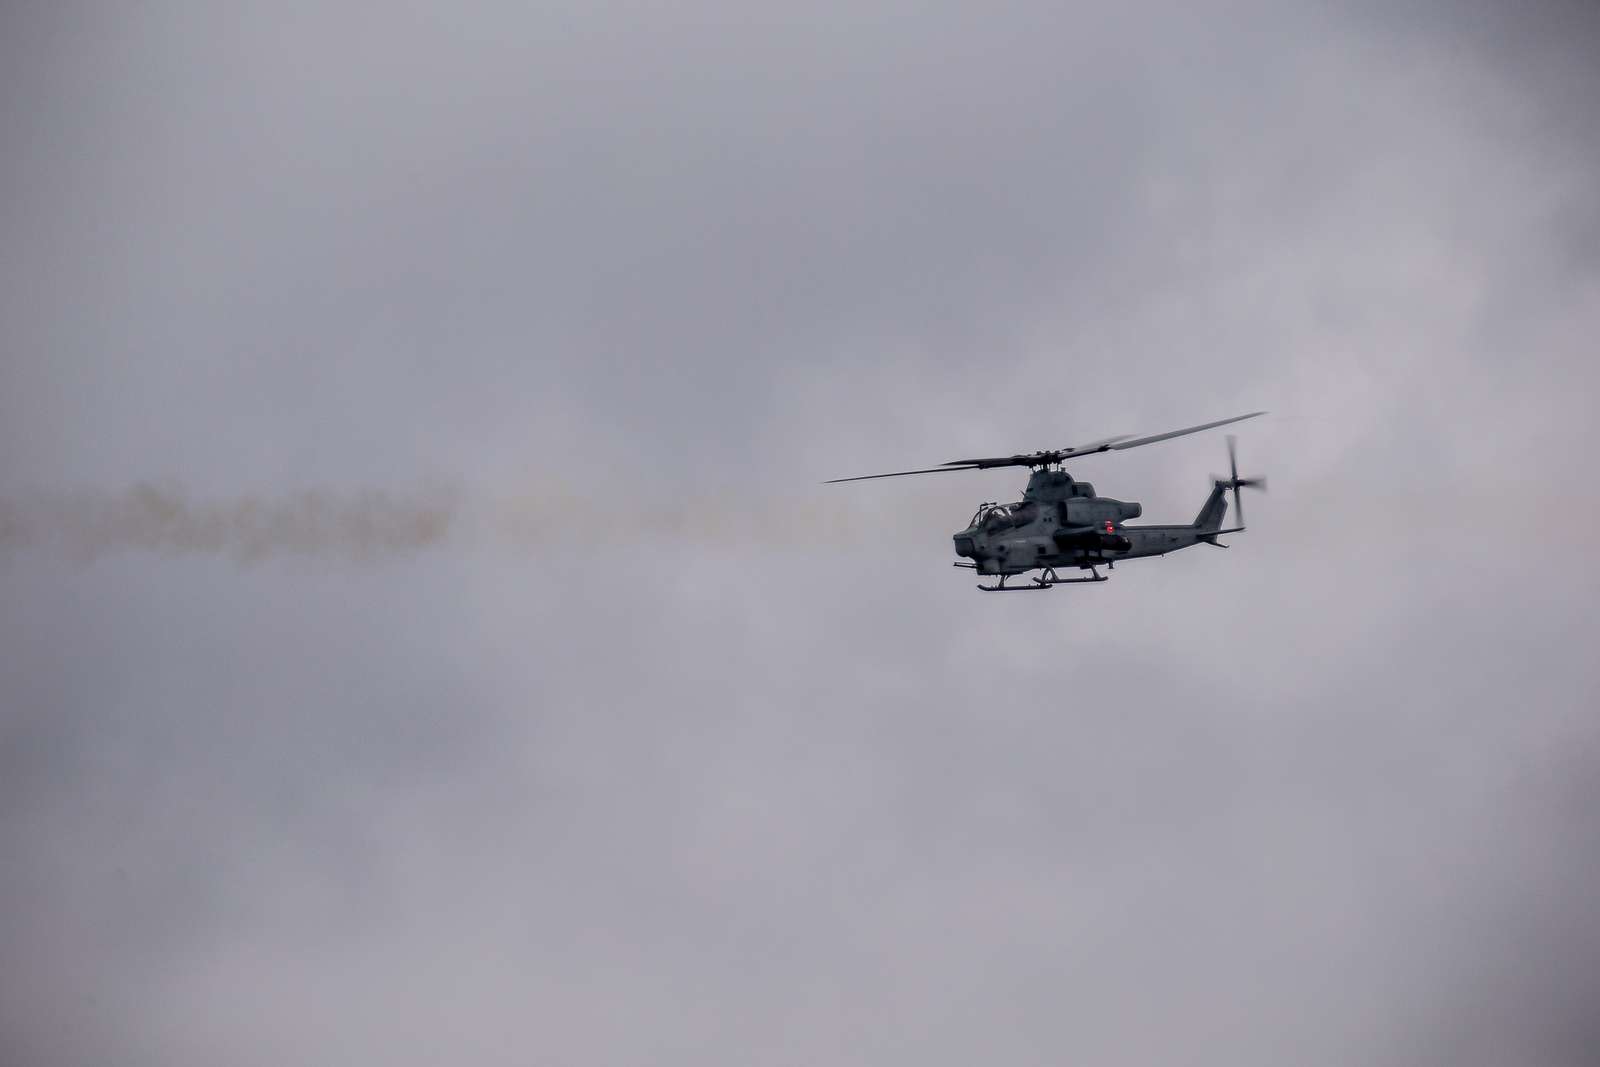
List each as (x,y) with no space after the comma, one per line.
(1097,446)
(1035,459)
(1105,444)
(1041,459)
(1153,438)
(901,474)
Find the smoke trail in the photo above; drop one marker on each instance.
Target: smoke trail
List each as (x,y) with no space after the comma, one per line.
(356,526)
(369,525)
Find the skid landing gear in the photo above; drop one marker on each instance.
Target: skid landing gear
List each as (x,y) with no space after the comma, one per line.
(1042,581)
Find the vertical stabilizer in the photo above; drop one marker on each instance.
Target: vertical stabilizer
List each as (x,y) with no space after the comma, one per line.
(1215,507)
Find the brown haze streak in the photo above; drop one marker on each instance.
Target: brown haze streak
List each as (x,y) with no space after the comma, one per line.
(368,525)
(357,526)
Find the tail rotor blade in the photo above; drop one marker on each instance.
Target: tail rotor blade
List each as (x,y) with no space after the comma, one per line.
(1237,483)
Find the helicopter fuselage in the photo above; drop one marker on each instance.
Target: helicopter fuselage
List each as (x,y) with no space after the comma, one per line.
(1060,522)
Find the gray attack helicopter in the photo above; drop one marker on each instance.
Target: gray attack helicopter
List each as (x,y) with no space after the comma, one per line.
(1061,523)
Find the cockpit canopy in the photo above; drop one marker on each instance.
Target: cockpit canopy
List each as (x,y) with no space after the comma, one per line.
(993,517)
(984,511)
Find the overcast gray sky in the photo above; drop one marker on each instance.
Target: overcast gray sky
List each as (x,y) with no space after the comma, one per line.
(423,636)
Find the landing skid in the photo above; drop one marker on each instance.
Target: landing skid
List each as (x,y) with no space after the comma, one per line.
(1043,581)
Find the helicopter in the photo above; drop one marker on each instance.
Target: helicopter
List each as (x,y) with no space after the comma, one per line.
(1061,522)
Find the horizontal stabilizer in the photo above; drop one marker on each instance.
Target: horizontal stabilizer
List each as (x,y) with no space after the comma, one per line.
(1211,538)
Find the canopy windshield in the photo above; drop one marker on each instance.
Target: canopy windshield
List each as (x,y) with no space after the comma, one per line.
(1000,516)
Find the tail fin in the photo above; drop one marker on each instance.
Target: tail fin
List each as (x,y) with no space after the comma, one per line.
(1215,507)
